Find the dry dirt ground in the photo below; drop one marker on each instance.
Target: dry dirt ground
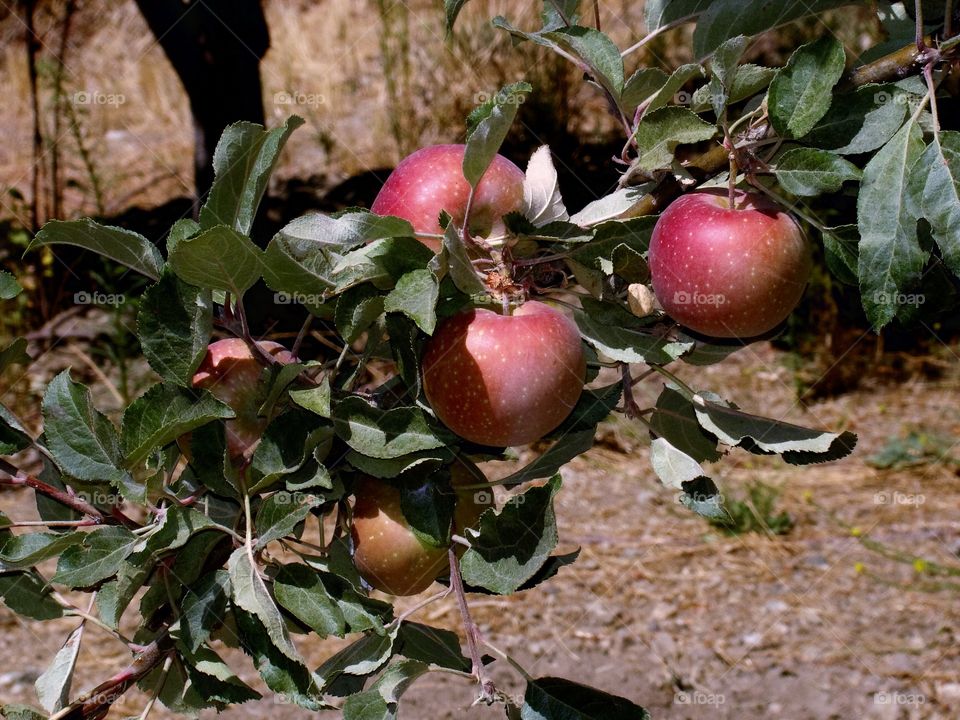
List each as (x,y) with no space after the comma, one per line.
(688,621)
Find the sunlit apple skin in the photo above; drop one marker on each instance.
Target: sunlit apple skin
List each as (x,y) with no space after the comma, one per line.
(232,374)
(728,273)
(387,553)
(504,380)
(431,180)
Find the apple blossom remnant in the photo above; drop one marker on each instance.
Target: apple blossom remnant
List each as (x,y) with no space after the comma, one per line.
(431,180)
(504,380)
(728,272)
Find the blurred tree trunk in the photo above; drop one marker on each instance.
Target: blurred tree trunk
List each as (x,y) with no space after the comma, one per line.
(215,47)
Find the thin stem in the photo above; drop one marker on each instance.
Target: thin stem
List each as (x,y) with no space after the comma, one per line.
(51,523)
(159,686)
(596,13)
(304,329)
(17,478)
(932,94)
(630,407)
(659,31)
(487,689)
(422,604)
(91,618)
(566,20)
(670,376)
(516,666)
(793,207)
(921,44)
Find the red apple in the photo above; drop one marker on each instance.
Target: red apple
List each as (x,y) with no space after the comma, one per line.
(504,380)
(387,553)
(231,372)
(728,272)
(431,180)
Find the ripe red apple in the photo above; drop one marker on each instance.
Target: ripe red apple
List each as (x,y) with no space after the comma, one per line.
(504,380)
(431,180)
(728,272)
(231,372)
(387,552)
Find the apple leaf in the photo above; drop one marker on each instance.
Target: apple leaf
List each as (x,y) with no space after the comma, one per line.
(426,460)
(299,267)
(173,326)
(161,415)
(891,258)
(659,133)
(415,295)
(219,258)
(488,125)
(288,678)
(550,698)
(213,680)
(809,172)
(380,701)
(801,94)
(435,646)
(21,552)
(668,93)
(29,595)
(22,712)
(674,467)
(347,230)
(941,198)
(249,592)
(203,608)
(382,262)
(860,122)
(363,657)
(286,445)
(798,445)
(82,441)
(301,592)
(243,162)
(280,514)
(565,449)
(593,407)
(357,309)
(14,353)
(623,343)
(598,52)
(315,399)
(642,85)
(405,346)
(841,253)
(724,19)
(428,506)
(53,686)
(658,13)
(383,434)
(610,207)
(542,202)
(675,420)
(512,545)
(13,436)
(123,246)
(98,558)
(9,287)
(452,10)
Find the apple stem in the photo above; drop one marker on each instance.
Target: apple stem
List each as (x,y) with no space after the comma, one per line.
(630,407)
(948,19)
(304,329)
(921,44)
(474,639)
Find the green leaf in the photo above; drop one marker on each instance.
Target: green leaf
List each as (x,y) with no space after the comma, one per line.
(20,552)
(808,172)
(14,354)
(203,608)
(861,122)
(431,645)
(219,258)
(98,558)
(297,263)
(724,19)
(801,94)
(668,93)
(488,126)
(288,678)
(798,445)
(428,506)
(659,133)
(941,198)
(286,445)
(593,407)
(598,51)
(53,686)
(416,297)
(348,230)
(514,544)
(83,442)
(405,346)
(280,514)
(214,681)
(642,85)
(161,415)
(315,399)
(173,326)
(124,246)
(242,163)
(182,229)
(559,454)
(357,309)
(426,461)
(610,207)
(380,433)
(663,12)
(382,263)
(300,591)
(250,593)
(891,258)
(619,338)
(551,698)
(380,701)
(674,467)
(841,253)
(455,260)
(22,712)
(675,420)
(452,9)
(9,287)
(27,594)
